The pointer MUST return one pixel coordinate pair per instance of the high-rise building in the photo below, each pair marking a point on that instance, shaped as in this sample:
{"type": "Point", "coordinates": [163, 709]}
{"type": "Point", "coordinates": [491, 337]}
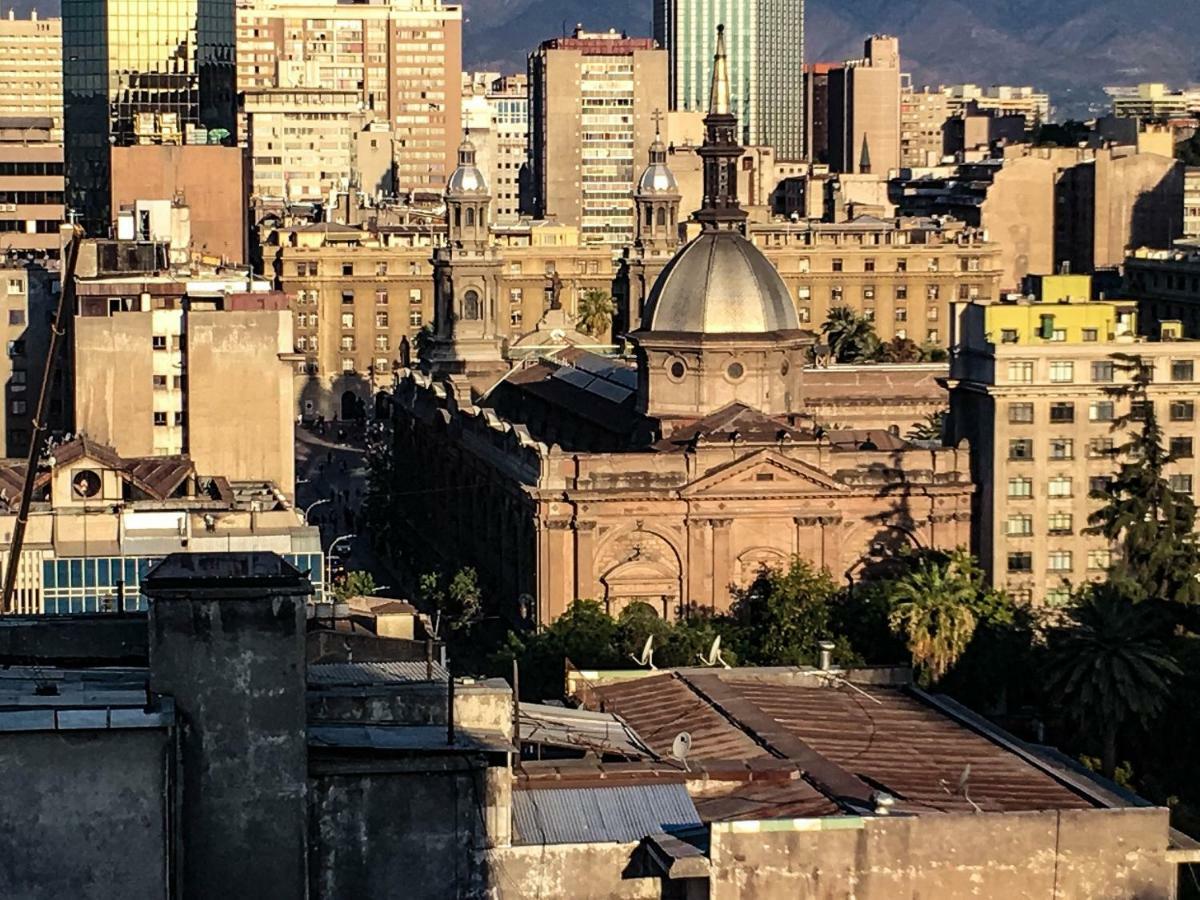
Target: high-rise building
{"type": "Point", "coordinates": [402, 57]}
{"type": "Point", "coordinates": [923, 116]}
{"type": "Point", "coordinates": [31, 186]}
{"type": "Point", "coordinates": [141, 72]}
{"type": "Point", "coordinates": [496, 112]}
{"type": "Point", "coordinates": [31, 72]}
{"type": "Point", "coordinates": [864, 110]}
{"type": "Point", "coordinates": [1153, 101]}
{"type": "Point", "coordinates": [594, 100]}
{"type": "Point", "coordinates": [1001, 99]}
{"type": "Point", "coordinates": [765, 43]}
{"type": "Point", "coordinates": [1037, 390]}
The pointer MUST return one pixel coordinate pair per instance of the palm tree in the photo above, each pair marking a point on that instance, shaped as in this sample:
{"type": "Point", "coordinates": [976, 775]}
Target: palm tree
{"type": "Point", "coordinates": [851, 336]}
{"type": "Point", "coordinates": [930, 429]}
{"type": "Point", "coordinates": [595, 313]}
{"type": "Point", "coordinates": [934, 609]}
{"type": "Point", "coordinates": [1107, 667]}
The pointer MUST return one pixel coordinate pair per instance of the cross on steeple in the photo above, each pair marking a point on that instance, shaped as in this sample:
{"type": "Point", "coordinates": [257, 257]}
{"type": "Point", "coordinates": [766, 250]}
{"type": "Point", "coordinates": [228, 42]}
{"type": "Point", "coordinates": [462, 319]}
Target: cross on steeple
{"type": "Point", "coordinates": [657, 116]}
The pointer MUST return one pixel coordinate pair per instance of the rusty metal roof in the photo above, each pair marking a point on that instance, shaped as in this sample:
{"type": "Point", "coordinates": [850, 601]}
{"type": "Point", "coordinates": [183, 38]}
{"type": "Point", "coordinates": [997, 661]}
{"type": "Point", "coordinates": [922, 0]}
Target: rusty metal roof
{"type": "Point", "coordinates": [792, 799]}
{"type": "Point", "coordinates": [620, 814]}
{"type": "Point", "coordinates": [580, 729]}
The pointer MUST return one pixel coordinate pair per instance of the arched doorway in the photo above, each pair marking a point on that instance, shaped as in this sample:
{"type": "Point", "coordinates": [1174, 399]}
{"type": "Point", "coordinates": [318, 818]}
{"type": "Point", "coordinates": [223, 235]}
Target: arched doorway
{"type": "Point", "coordinates": [352, 406]}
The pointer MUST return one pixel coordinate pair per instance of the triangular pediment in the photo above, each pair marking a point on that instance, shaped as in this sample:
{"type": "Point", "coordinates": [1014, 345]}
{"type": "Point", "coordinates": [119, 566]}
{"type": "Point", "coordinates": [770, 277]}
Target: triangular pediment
{"type": "Point", "coordinates": [764, 472]}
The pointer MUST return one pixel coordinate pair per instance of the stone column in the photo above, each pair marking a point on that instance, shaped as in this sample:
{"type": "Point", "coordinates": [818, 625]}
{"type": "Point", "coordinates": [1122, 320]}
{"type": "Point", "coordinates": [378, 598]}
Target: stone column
{"type": "Point", "coordinates": [560, 575]}
{"type": "Point", "coordinates": [697, 586]}
{"type": "Point", "coordinates": [585, 560]}
{"type": "Point", "coordinates": [720, 562]}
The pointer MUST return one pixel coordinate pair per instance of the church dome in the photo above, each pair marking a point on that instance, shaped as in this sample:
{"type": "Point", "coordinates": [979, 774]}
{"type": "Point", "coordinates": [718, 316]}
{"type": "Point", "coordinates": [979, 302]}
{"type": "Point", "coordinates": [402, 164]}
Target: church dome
{"type": "Point", "coordinates": [720, 283]}
{"type": "Point", "coordinates": [466, 179]}
{"type": "Point", "coordinates": [658, 177]}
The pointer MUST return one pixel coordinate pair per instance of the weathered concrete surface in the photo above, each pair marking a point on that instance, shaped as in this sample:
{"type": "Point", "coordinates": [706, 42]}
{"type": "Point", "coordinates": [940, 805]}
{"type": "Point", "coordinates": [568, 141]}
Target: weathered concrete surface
{"type": "Point", "coordinates": [1096, 854]}
{"type": "Point", "coordinates": [83, 814]}
{"type": "Point", "coordinates": [415, 830]}
{"type": "Point", "coordinates": [100, 639]}
{"type": "Point", "coordinates": [575, 871]}
{"type": "Point", "coordinates": [485, 706]}
{"type": "Point", "coordinates": [227, 642]}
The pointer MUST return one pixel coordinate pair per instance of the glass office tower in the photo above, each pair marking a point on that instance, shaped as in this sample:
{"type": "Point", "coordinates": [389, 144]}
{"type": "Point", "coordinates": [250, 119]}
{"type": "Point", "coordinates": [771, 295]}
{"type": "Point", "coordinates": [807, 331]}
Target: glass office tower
{"type": "Point", "coordinates": [765, 42]}
{"type": "Point", "coordinates": [141, 72]}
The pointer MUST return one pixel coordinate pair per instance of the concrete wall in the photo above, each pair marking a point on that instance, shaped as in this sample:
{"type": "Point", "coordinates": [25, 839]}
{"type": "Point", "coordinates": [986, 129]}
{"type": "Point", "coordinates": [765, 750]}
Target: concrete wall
{"type": "Point", "coordinates": [114, 381]}
{"type": "Point", "coordinates": [83, 814]}
{"type": "Point", "coordinates": [211, 180]}
{"type": "Point", "coordinates": [1077, 853]}
{"type": "Point", "coordinates": [240, 407]}
{"type": "Point", "coordinates": [576, 871]}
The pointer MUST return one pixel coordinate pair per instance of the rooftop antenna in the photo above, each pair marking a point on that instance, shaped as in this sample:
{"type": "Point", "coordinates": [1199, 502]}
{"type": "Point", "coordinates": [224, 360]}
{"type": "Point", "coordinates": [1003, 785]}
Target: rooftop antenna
{"type": "Point", "coordinates": [961, 789]}
{"type": "Point", "coordinates": [681, 747]}
{"type": "Point", "coordinates": [714, 655]}
{"type": "Point", "coordinates": [647, 656]}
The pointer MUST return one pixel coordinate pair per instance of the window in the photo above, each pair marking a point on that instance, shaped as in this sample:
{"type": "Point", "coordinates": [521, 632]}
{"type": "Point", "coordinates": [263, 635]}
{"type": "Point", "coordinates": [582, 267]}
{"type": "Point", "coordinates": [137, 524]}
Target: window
{"type": "Point", "coordinates": [1008, 336]}
{"type": "Point", "coordinates": [1020, 372]}
{"type": "Point", "coordinates": [160, 419]}
{"type": "Point", "coordinates": [347, 342]}
{"type": "Point", "coordinates": [1021, 448]}
{"type": "Point", "coordinates": [178, 419]}
{"type": "Point", "coordinates": [1100, 411]}
{"type": "Point", "coordinates": [381, 342]}
{"type": "Point", "coordinates": [901, 314]}
{"type": "Point", "coordinates": [901, 292]}
{"type": "Point", "coordinates": [1182, 370]}
{"type": "Point", "coordinates": [381, 365]}
{"type": "Point", "coordinates": [160, 382]}
{"type": "Point", "coordinates": [1182, 410]}
{"type": "Point", "coordinates": [1180, 484]}
{"type": "Point", "coordinates": [1058, 334]}
{"type": "Point", "coordinates": [381, 320]}
{"type": "Point", "coordinates": [1019, 526]}
{"type": "Point", "coordinates": [16, 286]}
{"type": "Point", "coordinates": [1022, 596]}
{"type": "Point", "coordinates": [932, 336]}
{"type": "Point", "coordinates": [1062, 412]}
{"type": "Point", "coordinates": [1181, 447]}
{"type": "Point", "coordinates": [1021, 561]}
{"type": "Point", "coordinates": [414, 295]}
{"type": "Point", "coordinates": [515, 317]}
{"type": "Point", "coordinates": [1100, 485]}
{"type": "Point", "coordinates": [381, 296]}
{"type": "Point", "coordinates": [934, 265]}
{"type": "Point", "coordinates": [1099, 448]}
{"type": "Point", "coordinates": [1062, 371]}
{"type": "Point", "coordinates": [17, 382]}
{"type": "Point", "coordinates": [1059, 486]}
{"type": "Point", "coordinates": [803, 314]}
{"type": "Point", "coordinates": [515, 295]}
{"type": "Point", "coordinates": [1090, 335]}
{"type": "Point", "coordinates": [159, 342]}
{"type": "Point", "coordinates": [869, 292]}
{"type": "Point", "coordinates": [381, 268]}
{"type": "Point", "coordinates": [1020, 488]}
{"type": "Point", "coordinates": [16, 348]}
{"type": "Point", "coordinates": [16, 317]}
{"type": "Point", "coordinates": [347, 320]}
{"type": "Point", "coordinates": [1059, 560]}
{"type": "Point", "coordinates": [1139, 410]}
{"type": "Point", "coordinates": [347, 298]}
{"type": "Point", "coordinates": [932, 292]}
{"type": "Point", "coordinates": [1058, 596]}
{"type": "Point", "coordinates": [1059, 523]}
{"type": "Point", "coordinates": [514, 268]}
{"type": "Point", "coordinates": [868, 265]}
{"type": "Point", "coordinates": [347, 268]}
{"type": "Point", "coordinates": [1099, 560]}
{"type": "Point", "coordinates": [347, 365]}
{"type": "Point", "coordinates": [1102, 372]}
{"type": "Point", "coordinates": [1020, 413]}
{"type": "Point", "coordinates": [835, 294]}
{"type": "Point", "coordinates": [837, 265]}
{"type": "Point", "coordinates": [414, 318]}
{"type": "Point", "coordinates": [1062, 448]}
{"type": "Point", "coordinates": [18, 407]}
{"type": "Point", "coordinates": [902, 265]}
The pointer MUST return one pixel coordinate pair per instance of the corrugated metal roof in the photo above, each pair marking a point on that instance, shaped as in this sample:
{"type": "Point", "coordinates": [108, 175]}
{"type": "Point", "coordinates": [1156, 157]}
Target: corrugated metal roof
{"type": "Point", "coordinates": [580, 728]}
{"type": "Point", "coordinates": [367, 674]}
{"type": "Point", "coordinates": [600, 815]}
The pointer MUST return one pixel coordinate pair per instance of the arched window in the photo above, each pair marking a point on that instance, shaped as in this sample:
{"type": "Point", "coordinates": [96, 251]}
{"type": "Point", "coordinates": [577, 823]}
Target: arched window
{"type": "Point", "coordinates": [458, 217]}
{"type": "Point", "coordinates": [471, 305]}
{"type": "Point", "coordinates": [649, 216]}
{"type": "Point", "coordinates": [662, 218]}
{"type": "Point", "coordinates": [470, 217]}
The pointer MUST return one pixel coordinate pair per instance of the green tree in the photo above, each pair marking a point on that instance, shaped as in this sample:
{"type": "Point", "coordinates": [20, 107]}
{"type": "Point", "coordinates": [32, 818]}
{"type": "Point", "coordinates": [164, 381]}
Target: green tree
{"type": "Point", "coordinates": [900, 350]}
{"type": "Point", "coordinates": [783, 615]}
{"type": "Point", "coordinates": [585, 634]}
{"type": "Point", "coordinates": [355, 584]}
{"type": "Point", "coordinates": [1151, 525]}
{"type": "Point", "coordinates": [1107, 668]}
{"type": "Point", "coordinates": [930, 429]}
{"type": "Point", "coordinates": [458, 600]}
{"type": "Point", "coordinates": [935, 608]}
{"type": "Point", "coordinates": [1067, 134]}
{"type": "Point", "coordinates": [595, 313]}
{"type": "Point", "coordinates": [851, 337]}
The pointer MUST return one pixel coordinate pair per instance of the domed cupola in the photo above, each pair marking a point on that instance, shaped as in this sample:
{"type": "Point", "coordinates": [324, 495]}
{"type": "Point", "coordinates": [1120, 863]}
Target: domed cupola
{"type": "Point", "coordinates": [467, 179]}
{"type": "Point", "coordinates": [468, 201]}
{"type": "Point", "coordinates": [657, 203]}
{"type": "Point", "coordinates": [719, 326]}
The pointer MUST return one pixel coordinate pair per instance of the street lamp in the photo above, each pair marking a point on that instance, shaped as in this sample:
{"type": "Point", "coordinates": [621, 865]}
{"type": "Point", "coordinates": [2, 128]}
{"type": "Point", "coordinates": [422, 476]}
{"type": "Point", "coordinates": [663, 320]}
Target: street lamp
{"type": "Point", "coordinates": [313, 506]}
{"type": "Point", "coordinates": [332, 547]}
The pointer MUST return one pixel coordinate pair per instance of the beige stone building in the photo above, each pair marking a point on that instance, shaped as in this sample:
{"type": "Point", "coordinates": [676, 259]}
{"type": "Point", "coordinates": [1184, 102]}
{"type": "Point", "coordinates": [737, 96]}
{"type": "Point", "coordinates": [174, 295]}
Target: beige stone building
{"type": "Point", "coordinates": [923, 116]}
{"type": "Point", "coordinates": [1032, 391]}
{"type": "Point", "coordinates": [31, 186]}
{"type": "Point", "coordinates": [158, 353]}
{"type": "Point", "coordinates": [1002, 99]}
{"type": "Point", "coordinates": [673, 480]}
{"type": "Point", "coordinates": [595, 101]}
{"type": "Point", "coordinates": [864, 110]}
{"type": "Point", "coordinates": [1191, 203]}
{"type": "Point", "coordinates": [403, 58]}
{"type": "Point", "coordinates": [31, 70]}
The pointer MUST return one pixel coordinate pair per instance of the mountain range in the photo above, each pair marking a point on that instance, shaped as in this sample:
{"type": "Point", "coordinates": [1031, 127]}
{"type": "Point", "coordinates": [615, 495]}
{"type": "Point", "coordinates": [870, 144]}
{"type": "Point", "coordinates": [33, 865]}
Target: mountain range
{"type": "Point", "coordinates": [1071, 48]}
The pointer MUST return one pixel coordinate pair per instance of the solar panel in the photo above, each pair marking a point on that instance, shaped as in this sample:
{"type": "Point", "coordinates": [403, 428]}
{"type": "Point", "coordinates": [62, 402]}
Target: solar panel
{"type": "Point", "coordinates": [574, 377]}
{"type": "Point", "coordinates": [624, 376]}
{"type": "Point", "coordinates": [609, 391]}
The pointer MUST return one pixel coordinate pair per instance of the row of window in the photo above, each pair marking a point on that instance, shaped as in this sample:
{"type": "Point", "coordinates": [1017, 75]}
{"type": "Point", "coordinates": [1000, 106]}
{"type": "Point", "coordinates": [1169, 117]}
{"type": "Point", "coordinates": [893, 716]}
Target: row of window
{"type": "Point", "coordinates": [1063, 412]}
{"type": "Point", "coordinates": [933, 293]}
{"type": "Point", "coordinates": [1103, 372]}
{"type": "Point", "coordinates": [1061, 487]}
{"type": "Point", "coordinates": [1060, 561]}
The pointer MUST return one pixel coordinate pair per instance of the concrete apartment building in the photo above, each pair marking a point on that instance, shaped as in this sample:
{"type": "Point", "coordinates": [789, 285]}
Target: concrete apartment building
{"type": "Point", "coordinates": [32, 186]}
{"type": "Point", "coordinates": [923, 116]}
{"type": "Point", "coordinates": [1191, 203]}
{"type": "Point", "coordinates": [1047, 206]}
{"type": "Point", "coordinates": [765, 43]}
{"type": "Point", "coordinates": [301, 141]}
{"type": "Point", "coordinates": [159, 349]}
{"type": "Point", "coordinates": [864, 110]}
{"type": "Point", "coordinates": [496, 110]}
{"type": "Point", "coordinates": [99, 522]}
{"type": "Point", "coordinates": [29, 288]}
{"type": "Point", "coordinates": [403, 58]}
{"type": "Point", "coordinates": [999, 99]}
{"type": "Point", "coordinates": [360, 296]}
{"type": "Point", "coordinates": [595, 101]}
{"type": "Point", "coordinates": [31, 70]}
{"type": "Point", "coordinates": [1154, 101]}
{"type": "Point", "coordinates": [1167, 285]}
{"type": "Point", "coordinates": [1032, 390]}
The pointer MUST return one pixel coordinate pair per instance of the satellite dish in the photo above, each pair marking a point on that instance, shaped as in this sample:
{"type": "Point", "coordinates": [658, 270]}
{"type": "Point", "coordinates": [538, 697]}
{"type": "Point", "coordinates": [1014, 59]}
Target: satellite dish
{"type": "Point", "coordinates": [647, 656]}
{"type": "Point", "coordinates": [714, 654]}
{"type": "Point", "coordinates": [681, 747]}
